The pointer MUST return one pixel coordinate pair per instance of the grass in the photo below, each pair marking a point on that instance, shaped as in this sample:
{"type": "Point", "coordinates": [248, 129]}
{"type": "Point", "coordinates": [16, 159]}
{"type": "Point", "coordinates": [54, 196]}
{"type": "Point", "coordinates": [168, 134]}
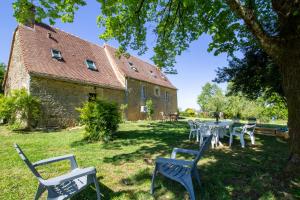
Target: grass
{"type": "Point", "coordinates": [124, 165]}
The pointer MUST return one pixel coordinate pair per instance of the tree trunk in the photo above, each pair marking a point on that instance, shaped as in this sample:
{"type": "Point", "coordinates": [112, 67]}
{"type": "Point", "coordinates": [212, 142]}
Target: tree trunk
{"type": "Point", "coordinates": [290, 69]}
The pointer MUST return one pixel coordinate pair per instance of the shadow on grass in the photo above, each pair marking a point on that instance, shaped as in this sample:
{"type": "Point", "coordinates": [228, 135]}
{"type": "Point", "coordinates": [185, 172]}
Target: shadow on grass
{"type": "Point", "coordinates": [226, 173]}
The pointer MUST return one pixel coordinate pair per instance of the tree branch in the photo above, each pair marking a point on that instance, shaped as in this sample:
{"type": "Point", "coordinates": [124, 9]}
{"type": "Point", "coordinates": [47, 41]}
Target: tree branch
{"type": "Point", "coordinates": [140, 7]}
{"type": "Point", "coordinates": [268, 43]}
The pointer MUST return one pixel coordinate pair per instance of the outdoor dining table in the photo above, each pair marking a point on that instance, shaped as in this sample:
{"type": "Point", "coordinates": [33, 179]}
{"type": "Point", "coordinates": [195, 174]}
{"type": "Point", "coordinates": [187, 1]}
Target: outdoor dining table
{"type": "Point", "coordinates": [218, 129]}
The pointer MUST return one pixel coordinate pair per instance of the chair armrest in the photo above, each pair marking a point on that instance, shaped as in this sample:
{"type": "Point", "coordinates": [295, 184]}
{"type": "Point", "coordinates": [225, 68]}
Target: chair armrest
{"type": "Point", "coordinates": [77, 173]}
{"type": "Point", "coordinates": [187, 151]}
{"type": "Point", "coordinates": [174, 162]}
{"type": "Point", "coordinates": [57, 159]}
{"type": "Point", "coordinates": [237, 129]}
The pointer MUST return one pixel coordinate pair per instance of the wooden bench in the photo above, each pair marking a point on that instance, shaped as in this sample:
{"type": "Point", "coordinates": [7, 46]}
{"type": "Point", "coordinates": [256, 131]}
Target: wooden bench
{"type": "Point", "coordinates": [271, 131]}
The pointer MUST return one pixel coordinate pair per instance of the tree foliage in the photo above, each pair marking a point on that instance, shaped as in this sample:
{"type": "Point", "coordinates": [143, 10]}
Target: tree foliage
{"type": "Point", "coordinates": [20, 109]}
{"type": "Point", "coordinates": [175, 23]}
{"type": "Point", "coordinates": [2, 74]}
{"type": "Point", "coordinates": [254, 75]}
{"type": "Point", "coordinates": [236, 105]}
{"type": "Point", "coordinates": [210, 99]}
{"type": "Point", "coordinates": [25, 10]}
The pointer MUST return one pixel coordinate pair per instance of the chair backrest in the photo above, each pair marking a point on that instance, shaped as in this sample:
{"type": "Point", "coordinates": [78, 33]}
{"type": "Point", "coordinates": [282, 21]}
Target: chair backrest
{"type": "Point", "coordinates": [191, 124]}
{"type": "Point", "coordinates": [27, 162]}
{"type": "Point", "coordinates": [205, 130]}
{"type": "Point", "coordinates": [205, 145]}
{"type": "Point", "coordinates": [249, 128]}
{"type": "Point", "coordinates": [251, 121]}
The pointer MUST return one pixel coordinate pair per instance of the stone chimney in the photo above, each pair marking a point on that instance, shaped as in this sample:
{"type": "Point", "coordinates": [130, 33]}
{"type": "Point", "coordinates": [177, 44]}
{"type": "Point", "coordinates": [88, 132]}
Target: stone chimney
{"type": "Point", "coordinates": [30, 17]}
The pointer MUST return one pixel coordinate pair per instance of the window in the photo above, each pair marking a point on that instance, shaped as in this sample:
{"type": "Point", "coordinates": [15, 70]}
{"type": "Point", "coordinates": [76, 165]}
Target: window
{"type": "Point", "coordinates": [157, 91]}
{"type": "Point", "coordinates": [91, 65]}
{"type": "Point", "coordinates": [143, 92]}
{"type": "Point", "coordinates": [167, 96]}
{"type": "Point", "coordinates": [92, 96]}
{"type": "Point", "coordinates": [56, 54]}
{"type": "Point", "coordinates": [164, 77]}
{"type": "Point", "coordinates": [133, 67]}
{"type": "Point", "coordinates": [153, 74]}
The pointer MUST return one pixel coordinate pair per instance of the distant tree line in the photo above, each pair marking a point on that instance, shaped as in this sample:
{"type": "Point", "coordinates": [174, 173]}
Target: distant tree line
{"type": "Point", "coordinates": [231, 104]}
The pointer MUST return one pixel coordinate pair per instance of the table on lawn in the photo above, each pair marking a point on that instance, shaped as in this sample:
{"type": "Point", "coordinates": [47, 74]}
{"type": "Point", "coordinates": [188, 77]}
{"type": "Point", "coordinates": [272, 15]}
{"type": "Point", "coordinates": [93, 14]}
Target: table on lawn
{"type": "Point", "coordinates": [218, 129]}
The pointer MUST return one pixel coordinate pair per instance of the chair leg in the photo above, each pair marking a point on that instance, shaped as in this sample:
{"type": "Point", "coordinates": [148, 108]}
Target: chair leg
{"type": "Point", "coordinates": [252, 139]}
{"type": "Point", "coordinates": [197, 175]}
{"type": "Point", "coordinates": [97, 188]}
{"type": "Point", "coordinates": [190, 135]}
{"type": "Point", "coordinates": [39, 192]}
{"type": "Point", "coordinates": [153, 179]}
{"type": "Point", "coordinates": [242, 140]}
{"type": "Point", "coordinates": [230, 139]}
{"type": "Point", "coordinates": [190, 188]}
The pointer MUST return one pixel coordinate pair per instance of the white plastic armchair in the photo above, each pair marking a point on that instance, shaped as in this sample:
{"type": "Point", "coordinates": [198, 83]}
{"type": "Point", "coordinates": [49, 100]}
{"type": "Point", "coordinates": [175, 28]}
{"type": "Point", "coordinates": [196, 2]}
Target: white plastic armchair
{"type": "Point", "coordinates": [193, 129]}
{"type": "Point", "coordinates": [182, 171]}
{"type": "Point", "coordinates": [241, 131]}
{"type": "Point", "coordinates": [64, 186]}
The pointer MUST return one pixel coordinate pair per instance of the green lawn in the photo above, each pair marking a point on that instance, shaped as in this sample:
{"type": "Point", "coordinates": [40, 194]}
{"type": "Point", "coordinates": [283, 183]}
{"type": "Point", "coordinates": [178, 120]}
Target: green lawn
{"type": "Point", "coordinates": [124, 165]}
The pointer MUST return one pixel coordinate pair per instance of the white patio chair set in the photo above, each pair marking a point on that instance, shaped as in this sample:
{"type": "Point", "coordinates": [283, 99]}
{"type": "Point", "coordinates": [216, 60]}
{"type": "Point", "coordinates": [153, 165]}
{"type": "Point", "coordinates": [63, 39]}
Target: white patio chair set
{"type": "Point", "coordinates": [67, 185]}
{"type": "Point", "coordinates": [200, 130]}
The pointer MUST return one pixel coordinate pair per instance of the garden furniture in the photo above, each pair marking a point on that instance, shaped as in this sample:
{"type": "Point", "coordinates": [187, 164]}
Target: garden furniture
{"type": "Point", "coordinates": [182, 171]}
{"type": "Point", "coordinates": [163, 116]}
{"type": "Point", "coordinates": [216, 129]}
{"type": "Point", "coordinates": [193, 129]}
{"type": "Point", "coordinates": [241, 131]}
{"type": "Point", "coordinates": [64, 186]}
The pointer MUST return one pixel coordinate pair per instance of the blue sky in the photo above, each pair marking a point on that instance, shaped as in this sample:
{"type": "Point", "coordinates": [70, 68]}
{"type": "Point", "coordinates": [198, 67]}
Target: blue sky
{"type": "Point", "coordinates": [195, 66]}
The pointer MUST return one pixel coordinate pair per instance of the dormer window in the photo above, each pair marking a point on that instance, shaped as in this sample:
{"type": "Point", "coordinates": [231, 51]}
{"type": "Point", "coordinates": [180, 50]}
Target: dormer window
{"type": "Point", "coordinates": [152, 74]}
{"type": "Point", "coordinates": [56, 54]}
{"type": "Point", "coordinates": [133, 67]}
{"type": "Point", "coordinates": [91, 65]}
{"type": "Point", "coordinates": [164, 77]}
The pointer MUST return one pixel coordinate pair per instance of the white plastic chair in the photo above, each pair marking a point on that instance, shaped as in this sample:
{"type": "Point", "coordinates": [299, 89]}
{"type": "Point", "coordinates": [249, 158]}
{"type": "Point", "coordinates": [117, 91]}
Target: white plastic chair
{"type": "Point", "coordinates": [64, 186]}
{"type": "Point", "coordinates": [193, 129]}
{"type": "Point", "coordinates": [240, 132]}
{"type": "Point", "coordinates": [205, 131]}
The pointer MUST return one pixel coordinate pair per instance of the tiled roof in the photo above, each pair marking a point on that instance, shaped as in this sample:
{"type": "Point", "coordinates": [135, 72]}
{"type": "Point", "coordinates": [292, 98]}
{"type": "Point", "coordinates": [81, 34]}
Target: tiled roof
{"type": "Point", "coordinates": [36, 48]}
{"type": "Point", "coordinates": [37, 43]}
{"type": "Point", "coordinates": [136, 68]}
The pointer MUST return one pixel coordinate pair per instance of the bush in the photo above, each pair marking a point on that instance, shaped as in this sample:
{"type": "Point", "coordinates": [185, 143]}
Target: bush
{"type": "Point", "coordinates": [20, 109]}
{"type": "Point", "coordinates": [190, 112]}
{"type": "Point", "coordinates": [150, 110]}
{"type": "Point", "coordinates": [101, 119]}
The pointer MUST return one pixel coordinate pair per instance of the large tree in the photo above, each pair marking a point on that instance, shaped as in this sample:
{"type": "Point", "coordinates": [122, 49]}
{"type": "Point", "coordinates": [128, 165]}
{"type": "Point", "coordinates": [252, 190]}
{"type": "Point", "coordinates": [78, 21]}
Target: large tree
{"type": "Point", "coordinates": [209, 91]}
{"type": "Point", "coordinates": [274, 25]}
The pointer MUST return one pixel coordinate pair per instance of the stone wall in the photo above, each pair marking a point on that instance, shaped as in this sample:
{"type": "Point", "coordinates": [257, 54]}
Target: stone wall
{"type": "Point", "coordinates": [17, 76]}
{"type": "Point", "coordinates": [60, 99]}
{"type": "Point", "coordinates": [160, 103]}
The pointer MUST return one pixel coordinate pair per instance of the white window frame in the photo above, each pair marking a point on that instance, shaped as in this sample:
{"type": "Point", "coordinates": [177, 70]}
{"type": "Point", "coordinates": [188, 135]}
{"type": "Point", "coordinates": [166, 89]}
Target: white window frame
{"type": "Point", "coordinates": [143, 92]}
{"type": "Point", "coordinates": [56, 54]}
{"type": "Point", "coordinates": [167, 96]}
{"type": "Point", "coordinates": [94, 68]}
{"type": "Point", "coordinates": [156, 88]}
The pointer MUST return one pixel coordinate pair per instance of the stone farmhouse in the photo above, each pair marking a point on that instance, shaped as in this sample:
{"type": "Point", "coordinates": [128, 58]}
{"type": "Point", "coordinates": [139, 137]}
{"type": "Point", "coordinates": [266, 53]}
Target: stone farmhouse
{"type": "Point", "coordinates": [65, 71]}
